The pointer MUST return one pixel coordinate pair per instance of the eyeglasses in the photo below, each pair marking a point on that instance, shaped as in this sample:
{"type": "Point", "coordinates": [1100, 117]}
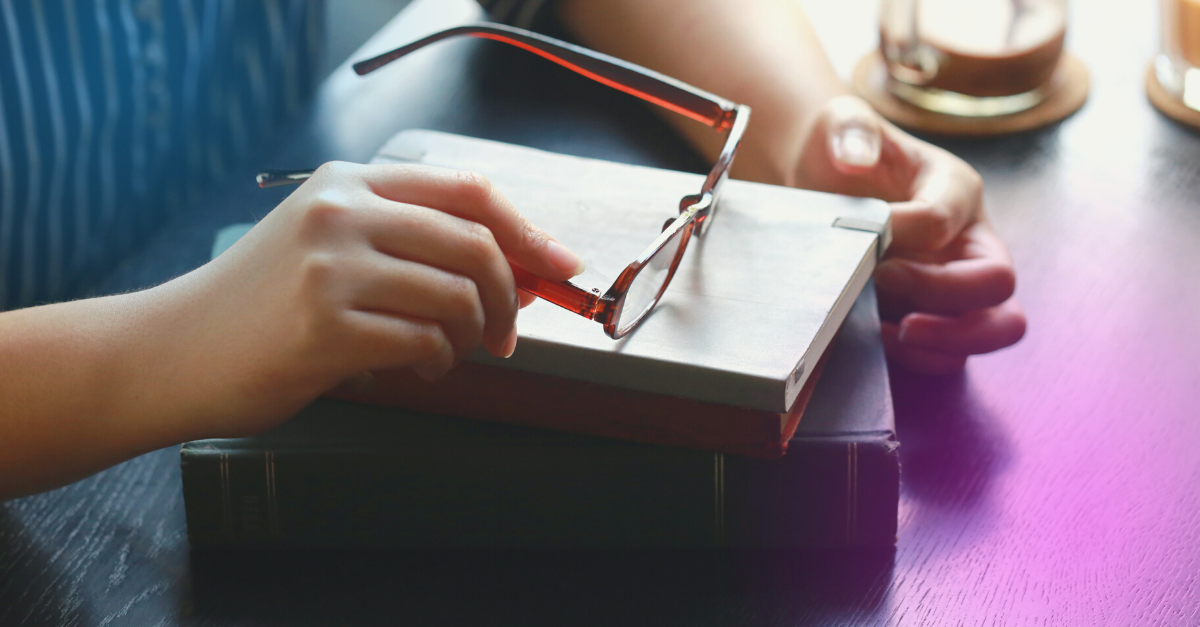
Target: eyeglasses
{"type": "Point", "coordinates": [642, 283]}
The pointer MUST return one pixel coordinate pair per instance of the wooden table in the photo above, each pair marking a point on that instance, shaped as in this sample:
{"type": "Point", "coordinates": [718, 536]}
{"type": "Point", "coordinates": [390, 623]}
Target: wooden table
{"type": "Point", "coordinates": [1052, 483]}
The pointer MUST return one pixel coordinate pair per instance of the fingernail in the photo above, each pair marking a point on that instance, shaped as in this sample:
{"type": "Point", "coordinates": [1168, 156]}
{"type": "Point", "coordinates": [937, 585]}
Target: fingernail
{"type": "Point", "coordinates": [857, 146]}
{"type": "Point", "coordinates": [924, 330]}
{"type": "Point", "coordinates": [892, 277]}
{"type": "Point", "coordinates": [564, 259]}
{"type": "Point", "coordinates": [510, 345]}
{"type": "Point", "coordinates": [917, 331]}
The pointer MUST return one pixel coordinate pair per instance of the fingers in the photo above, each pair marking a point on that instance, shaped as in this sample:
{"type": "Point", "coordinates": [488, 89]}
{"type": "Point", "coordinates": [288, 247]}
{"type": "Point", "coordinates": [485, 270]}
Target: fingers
{"type": "Point", "coordinates": [510, 345]}
{"type": "Point", "coordinates": [955, 287]}
{"type": "Point", "coordinates": [934, 193]}
{"type": "Point", "coordinates": [974, 272]}
{"type": "Point", "coordinates": [855, 134]}
{"type": "Point", "coordinates": [940, 344]}
{"type": "Point", "coordinates": [460, 247]}
{"type": "Point", "coordinates": [948, 279]}
{"type": "Point", "coordinates": [947, 196]}
{"type": "Point", "coordinates": [951, 303]}
{"type": "Point", "coordinates": [405, 288]}
{"type": "Point", "coordinates": [389, 341]}
{"type": "Point", "coordinates": [454, 224]}
{"type": "Point", "coordinates": [975, 333]}
{"type": "Point", "coordinates": [471, 197]}
{"type": "Point", "coordinates": [919, 359]}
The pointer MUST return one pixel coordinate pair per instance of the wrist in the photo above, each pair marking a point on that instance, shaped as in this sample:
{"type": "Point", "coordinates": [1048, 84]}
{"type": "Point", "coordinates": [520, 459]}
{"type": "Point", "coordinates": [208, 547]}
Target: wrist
{"type": "Point", "coordinates": [230, 365]}
{"type": "Point", "coordinates": [157, 386]}
{"type": "Point", "coordinates": [175, 367]}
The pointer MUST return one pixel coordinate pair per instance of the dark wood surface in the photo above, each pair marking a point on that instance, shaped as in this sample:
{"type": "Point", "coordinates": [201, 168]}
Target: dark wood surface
{"type": "Point", "coordinates": [1052, 483]}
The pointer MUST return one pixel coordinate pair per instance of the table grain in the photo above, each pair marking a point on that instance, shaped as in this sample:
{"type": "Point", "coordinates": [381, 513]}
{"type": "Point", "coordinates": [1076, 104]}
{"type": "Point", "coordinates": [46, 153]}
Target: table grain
{"type": "Point", "coordinates": [1052, 483]}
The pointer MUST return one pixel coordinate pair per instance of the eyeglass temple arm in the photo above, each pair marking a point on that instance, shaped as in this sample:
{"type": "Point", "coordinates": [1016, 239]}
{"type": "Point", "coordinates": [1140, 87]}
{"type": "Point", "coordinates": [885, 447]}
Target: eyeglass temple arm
{"type": "Point", "coordinates": [279, 178]}
{"type": "Point", "coordinates": [564, 294]}
{"type": "Point", "coordinates": [632, 79]}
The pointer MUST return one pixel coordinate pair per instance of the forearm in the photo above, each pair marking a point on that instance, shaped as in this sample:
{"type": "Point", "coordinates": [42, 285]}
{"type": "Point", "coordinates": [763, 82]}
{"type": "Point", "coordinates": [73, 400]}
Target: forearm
{"type": "Point", "coordinates": [362, 268]}
{"type": "Point", "coordinates": [763, 53]}
{"type": "Point", "coordinates": [87, 384]}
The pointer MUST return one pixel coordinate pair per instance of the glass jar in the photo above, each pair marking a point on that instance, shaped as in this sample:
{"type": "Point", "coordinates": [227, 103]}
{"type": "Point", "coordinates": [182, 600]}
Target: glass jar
{"type": "Point", "coordinates": [1177, 66]}
{"type": "Point", "coordinates": [975, 58]}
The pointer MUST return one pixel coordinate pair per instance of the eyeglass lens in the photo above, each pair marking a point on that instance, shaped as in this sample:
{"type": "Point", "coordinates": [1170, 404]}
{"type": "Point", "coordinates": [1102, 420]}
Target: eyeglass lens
{"type": "Point", "coordinates": [646, 287]}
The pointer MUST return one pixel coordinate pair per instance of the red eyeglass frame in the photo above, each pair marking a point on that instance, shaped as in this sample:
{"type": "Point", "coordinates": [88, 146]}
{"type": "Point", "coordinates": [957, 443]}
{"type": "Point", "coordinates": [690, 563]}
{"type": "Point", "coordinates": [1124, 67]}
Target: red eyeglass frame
{"type": "Point", "coordinates": [664, 91]}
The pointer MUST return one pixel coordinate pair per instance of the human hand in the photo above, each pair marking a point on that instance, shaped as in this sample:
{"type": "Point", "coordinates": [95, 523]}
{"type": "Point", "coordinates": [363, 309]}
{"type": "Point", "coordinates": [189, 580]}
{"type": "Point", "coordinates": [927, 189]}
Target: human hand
{"type": "Point", "coordinates": [946, 285]}
{"type": "Point", "coordinates": [362, 268]}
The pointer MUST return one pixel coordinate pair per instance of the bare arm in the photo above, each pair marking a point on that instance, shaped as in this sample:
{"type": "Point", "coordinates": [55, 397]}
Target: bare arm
{"type": "Point", "coordinates": [760, 52]}
{"type": "Point", "coordinates": [82, 386]}
{"type": "Point", "coordinates": [946, 288]}
{"type": "Point", "coordinates": [362, 268]}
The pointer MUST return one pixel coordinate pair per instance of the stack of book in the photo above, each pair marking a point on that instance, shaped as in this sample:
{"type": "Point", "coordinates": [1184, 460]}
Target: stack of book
{"type": "Point", "coordinates": [731, 417]}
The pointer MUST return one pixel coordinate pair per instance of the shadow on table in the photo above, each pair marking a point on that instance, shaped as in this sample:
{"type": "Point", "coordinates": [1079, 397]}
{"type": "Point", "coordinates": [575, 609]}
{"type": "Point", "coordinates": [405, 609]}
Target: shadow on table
{"type": "Point", "coordinates": [540, 587]}
{"type": "Point", "coordinates": [952, 447]}
{"type": "Point", "coordinates": [1026, 152]}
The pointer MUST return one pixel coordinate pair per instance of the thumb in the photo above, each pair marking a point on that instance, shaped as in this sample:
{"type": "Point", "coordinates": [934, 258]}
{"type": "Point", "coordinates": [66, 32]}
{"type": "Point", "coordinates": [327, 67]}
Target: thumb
{"type": "Point", "coordinates": [855, 136]}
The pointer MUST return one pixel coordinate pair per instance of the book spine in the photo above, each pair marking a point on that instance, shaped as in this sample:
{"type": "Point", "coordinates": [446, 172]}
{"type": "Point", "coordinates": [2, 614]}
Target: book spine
{"type": "Point", "coordinates": [826, 492]}
{"type": "Point", "coordinates": [591, 494]}
{"type": "Point", "coordinates": [230, 496]}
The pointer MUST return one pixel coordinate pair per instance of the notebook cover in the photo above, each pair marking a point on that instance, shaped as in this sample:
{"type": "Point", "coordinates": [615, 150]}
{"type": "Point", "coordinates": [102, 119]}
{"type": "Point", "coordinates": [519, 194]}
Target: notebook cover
{"type": "Point", "coordinates": [752, 307]}
{"type": "Point", "coordinates": [719, 364]}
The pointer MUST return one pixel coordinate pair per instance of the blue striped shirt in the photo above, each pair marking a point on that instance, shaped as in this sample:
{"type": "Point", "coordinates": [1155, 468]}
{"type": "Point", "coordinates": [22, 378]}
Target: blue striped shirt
{"type": "Point", "coordinates": [115, 114]}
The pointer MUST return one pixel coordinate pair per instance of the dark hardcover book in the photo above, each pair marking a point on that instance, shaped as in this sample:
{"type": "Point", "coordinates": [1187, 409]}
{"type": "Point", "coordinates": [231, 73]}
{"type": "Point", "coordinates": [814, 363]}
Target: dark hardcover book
{"type": "Point", "coordinates": [347, 475]}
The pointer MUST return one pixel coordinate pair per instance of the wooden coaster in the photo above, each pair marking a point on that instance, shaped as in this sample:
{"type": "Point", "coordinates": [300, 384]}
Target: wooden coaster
{"type": "Point", "coordinates": [1069, 86]}
{"type": "Point", "coordinates": [1169, 105]}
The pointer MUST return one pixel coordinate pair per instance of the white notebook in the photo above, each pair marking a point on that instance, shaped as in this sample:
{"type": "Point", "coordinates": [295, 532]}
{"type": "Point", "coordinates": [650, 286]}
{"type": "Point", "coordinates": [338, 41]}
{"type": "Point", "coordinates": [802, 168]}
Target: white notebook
{"type": "Point", "coordinates": [752, 308]}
